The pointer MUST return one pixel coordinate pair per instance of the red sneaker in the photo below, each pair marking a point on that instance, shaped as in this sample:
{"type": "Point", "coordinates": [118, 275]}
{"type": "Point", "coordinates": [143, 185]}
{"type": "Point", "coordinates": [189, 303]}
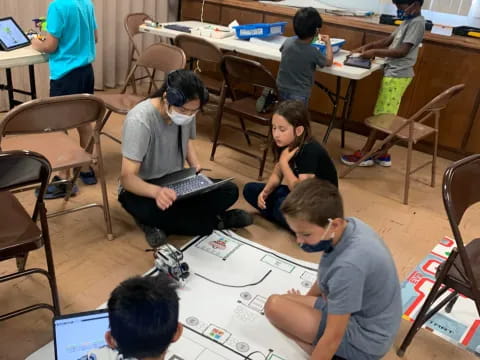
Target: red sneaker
{"type": "Point", "coordinates": [354, 158]}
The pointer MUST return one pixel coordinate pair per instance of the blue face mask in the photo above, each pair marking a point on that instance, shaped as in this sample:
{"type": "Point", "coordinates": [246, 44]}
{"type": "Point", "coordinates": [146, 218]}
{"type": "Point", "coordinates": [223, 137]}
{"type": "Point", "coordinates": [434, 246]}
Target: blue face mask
{"type": "Point", "coordinates": [322, 245]}
{"type": "Point", "coordinates": [403, 16]}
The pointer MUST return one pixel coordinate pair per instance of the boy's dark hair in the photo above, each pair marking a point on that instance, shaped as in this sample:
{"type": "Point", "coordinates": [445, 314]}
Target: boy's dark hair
{"type": "Point", "coordinates": [314, 200]}
{"type": "Point", "coordinates": [297, 114]}
{"type": "Point", "coordinates": [143, 313]}
{"type": "Point", "coordinates": [306, 22]}
{"type": "Point", "coordinates": [188, 83]}
{"type": "Point", "coordinates": [407, 2]}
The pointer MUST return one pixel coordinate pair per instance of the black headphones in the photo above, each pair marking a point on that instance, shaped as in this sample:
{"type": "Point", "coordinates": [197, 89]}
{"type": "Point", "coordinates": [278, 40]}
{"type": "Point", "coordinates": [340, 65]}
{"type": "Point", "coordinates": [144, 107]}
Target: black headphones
{"type": "Point", "coordinates": [175, 96]}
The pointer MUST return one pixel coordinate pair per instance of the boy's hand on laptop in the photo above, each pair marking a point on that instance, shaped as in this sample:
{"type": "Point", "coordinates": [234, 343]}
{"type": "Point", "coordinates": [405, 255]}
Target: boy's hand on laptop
{"type": "Point", "coordinates": [368, 54]}
{"type": "Point", "coordinates": [165, 197]}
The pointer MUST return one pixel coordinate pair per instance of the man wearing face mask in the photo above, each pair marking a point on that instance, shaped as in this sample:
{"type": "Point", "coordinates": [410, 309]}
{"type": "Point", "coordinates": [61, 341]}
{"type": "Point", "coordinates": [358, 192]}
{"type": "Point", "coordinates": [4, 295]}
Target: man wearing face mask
{"type": "Point", "coordinates": [157, 139]}
{"type": "Point", "coordinates": [354, 309]}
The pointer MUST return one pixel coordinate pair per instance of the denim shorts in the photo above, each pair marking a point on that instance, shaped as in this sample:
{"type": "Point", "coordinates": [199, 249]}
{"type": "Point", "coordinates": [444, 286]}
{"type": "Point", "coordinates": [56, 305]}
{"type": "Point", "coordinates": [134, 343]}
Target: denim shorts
{"type": "Point", "coordinates": [345, 349]}
{"type": "Point", "coordinates": [286, 95]}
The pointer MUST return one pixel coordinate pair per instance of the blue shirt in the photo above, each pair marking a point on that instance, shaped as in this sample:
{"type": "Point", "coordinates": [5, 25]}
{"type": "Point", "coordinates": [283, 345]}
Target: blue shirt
{"type": "Point", "coordinates": [73, 23]}
{"type": "Point", "coordinates": [359, 278]}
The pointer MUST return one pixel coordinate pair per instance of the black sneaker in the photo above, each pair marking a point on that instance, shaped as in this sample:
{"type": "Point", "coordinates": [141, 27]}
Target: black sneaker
{"type": "Point", "coordinates": [265, 101]}
{"type": "Point", "coordinates": [235, 218]}
{"type": "Point", "coordinates": [155, 237]}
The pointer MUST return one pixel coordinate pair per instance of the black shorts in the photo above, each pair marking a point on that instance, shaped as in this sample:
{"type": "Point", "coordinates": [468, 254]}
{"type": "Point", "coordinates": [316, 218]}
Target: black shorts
{"type": "Point", "coordinates": [77, 81]}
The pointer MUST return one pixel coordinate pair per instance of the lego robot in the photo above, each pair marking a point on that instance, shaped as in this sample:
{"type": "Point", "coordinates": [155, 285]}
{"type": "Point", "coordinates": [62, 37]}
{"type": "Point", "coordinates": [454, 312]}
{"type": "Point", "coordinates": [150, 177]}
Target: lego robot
{"type": "Point", "coordinates": [169, 260]}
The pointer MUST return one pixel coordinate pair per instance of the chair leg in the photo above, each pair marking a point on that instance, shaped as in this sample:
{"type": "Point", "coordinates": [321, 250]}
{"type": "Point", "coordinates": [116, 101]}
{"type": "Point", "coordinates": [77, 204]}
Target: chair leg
{"type": "Point", "coordinates": [434, 160]}
{"type": "Point", "coordinates": [245, 133]}
{"type": "Point", "coordinates": [265, 153]}
{"type": "Point", "coordinates": [451, 304]}
{"type": "Point", "coordinates": [151, 81]}
{"type": "Point", "coordinates": [432, 296]}
{"type": "Point", "coordinates": [49, 256]}
{"type": "Point", "coordinates": [218, 123]}
{"type": "Point", "coordinates": [21, 261]}
{"type": "Point", "coordinates": [407, 173]}
{"type": "Point", "coordinates": [103, 184]}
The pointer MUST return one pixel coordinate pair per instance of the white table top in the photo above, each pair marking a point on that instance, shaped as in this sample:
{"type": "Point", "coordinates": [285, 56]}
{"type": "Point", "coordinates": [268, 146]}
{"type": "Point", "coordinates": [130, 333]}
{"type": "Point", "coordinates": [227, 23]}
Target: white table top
{"type": "Point", "coordinates": [266, 52]}
{"type": "Point", "coordinates": [21, 57]}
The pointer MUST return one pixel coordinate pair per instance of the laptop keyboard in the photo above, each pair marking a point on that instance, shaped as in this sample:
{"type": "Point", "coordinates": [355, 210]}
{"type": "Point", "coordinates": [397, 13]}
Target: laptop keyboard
{"type": "Point", "coordinates": [190, 185]}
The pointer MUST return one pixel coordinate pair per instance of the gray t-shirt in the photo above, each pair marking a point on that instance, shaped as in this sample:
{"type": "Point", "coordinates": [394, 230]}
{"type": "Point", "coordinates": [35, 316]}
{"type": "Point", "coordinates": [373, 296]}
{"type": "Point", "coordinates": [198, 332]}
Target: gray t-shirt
{"type": "Point", "coordinates": [147, 138]}
{"type": "Point", "coordinates": [297, 66]}
{"type": "Point", "coordinates": [359, 277]}
{"type": "Point", "coordinates": [410, 31]}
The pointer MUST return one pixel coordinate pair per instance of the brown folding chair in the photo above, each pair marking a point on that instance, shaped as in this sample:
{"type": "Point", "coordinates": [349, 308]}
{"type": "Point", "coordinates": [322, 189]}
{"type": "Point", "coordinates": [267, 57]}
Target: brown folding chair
{"type": "Point", "coordinates": [132, 23]}
{"type": "Point", "coordinates": [410, 130]}
{"type": "Point", "coordinates": [460, 273]}
{"type": "Point", "coordinates": [41, 125]}
{"type": "Point", "coordinates": [161, 57]}
{"type": "Point", "coordinates": [19, 233]}
{"type": "Point", "coordinates": [239, 74]}
{"type": "Point", "coordinates": [197, 48]}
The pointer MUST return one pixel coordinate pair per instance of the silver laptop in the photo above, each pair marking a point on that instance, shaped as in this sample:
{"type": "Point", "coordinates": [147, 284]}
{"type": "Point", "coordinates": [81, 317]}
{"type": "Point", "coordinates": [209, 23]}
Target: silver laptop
{"type": "Point", "coordinates": [188, 182]}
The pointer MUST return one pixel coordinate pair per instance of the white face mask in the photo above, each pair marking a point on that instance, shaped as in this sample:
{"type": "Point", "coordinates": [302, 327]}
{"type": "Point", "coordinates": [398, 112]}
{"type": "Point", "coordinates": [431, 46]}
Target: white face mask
{"type": "Point", "coordinates": [179, 119]}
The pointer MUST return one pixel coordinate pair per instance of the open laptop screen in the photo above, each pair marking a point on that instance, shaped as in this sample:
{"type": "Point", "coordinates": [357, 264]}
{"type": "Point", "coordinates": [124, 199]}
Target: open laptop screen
{"type": "Point", "coordinates": [77, 334]}
{"type": "Point", "coordinates": [11, 35]}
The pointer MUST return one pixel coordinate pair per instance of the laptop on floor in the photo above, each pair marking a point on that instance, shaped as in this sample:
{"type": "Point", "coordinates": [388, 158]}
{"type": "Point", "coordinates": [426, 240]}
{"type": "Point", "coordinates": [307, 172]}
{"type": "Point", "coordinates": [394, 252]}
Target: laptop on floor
{"type": "Point", "coordinates": [187, 183]}
{"type": "Point", "coordinates": [75, 335]}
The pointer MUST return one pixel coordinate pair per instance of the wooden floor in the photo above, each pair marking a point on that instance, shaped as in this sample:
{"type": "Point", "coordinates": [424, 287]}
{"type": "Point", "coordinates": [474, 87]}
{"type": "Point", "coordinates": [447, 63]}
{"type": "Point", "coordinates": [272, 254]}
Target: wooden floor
{"type": "Point", "coordinates": [88, 266]}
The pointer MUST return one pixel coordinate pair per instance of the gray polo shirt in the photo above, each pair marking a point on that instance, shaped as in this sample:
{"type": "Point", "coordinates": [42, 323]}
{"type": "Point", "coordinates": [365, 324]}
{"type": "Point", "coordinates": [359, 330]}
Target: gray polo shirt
{"type": "Point", "coordinates": [410, 31]}
{"type": "Point", "coordinates": [297, 66]}
{"type": "Point", "coordinates": [147, 138]}
{"type": "Point", "coordinates": [359, 278]}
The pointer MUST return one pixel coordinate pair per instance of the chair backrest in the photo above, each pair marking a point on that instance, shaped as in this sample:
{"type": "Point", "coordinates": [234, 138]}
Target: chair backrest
{"type": "Point", "coordinates": [132, 23]}
{"type": "Point", "coordinates": [239, 71]}
{"type": "Point", "coordinates": [162, 57]}
{"type": "Point", "coordinates": [460, 187]}
{"type": "Point", "coordinates": [53, 114]}
{"type": "Point", "coordinates": [158, 57]}
{"type": "Point", "coordinates": [460, 191]}
{"type": "Point", "coordinates": [439, 102]}
{"type": "Point", "coordinates": [20, 168]}
{"type": "Point", "coordinates": [199, 48]}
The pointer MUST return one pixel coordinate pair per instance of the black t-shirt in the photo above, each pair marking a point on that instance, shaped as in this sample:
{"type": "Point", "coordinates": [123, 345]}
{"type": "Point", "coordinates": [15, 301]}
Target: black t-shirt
{"type": "Point", "coordinates": [312, 158]}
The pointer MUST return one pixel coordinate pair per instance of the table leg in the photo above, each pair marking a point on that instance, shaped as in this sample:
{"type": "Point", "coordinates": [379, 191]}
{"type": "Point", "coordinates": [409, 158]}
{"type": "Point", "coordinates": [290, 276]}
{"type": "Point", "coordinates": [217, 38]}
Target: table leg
{"type": "Point", "coordinates": [334, 99]}
{"type": "Point", "coordinates": [11, 102]}
{"type": "Point", "coordinates": [33, 87]}
{"type": "Point", "coordinates": [347, 108]}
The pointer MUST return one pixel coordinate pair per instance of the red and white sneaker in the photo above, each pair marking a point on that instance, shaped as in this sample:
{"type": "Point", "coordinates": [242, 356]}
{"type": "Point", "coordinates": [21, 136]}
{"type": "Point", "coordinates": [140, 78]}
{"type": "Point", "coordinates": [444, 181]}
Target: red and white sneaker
{"type": "Point", "coordinates": [354, 158]}
{"type": "Point", "coordinates": [384, 160]}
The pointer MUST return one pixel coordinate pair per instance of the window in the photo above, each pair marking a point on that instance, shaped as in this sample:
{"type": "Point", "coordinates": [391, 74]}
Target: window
{"type": "Point", "coordinates": [459, 7]}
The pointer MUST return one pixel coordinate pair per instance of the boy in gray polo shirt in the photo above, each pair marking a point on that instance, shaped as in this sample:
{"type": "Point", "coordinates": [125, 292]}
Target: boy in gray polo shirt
{"type": "Point", "coordinates": [400, 50]}
{"type": "Point", "coordinates": [353, 312]}
{"type": "Point", "coordinates": [300, 59]}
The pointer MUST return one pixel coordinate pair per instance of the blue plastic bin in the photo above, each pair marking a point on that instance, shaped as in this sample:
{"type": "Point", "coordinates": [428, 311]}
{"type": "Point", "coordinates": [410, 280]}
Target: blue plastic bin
{"type": "Point", "coordinates": [259, 30]}
{"type": "Point", "coordinates": [336, 45]}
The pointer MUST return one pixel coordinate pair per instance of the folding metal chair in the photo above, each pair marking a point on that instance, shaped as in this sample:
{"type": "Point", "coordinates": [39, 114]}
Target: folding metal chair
{"type": "Point", "coordinates": [240, 73]}
{"type": "Point", "coordinates": [41, 125]}
{"type": "Point", "coordinates": [411, 131]}
{"type": "Point", "coordinates": [460, 273]}
{"type": "Point", "coordinates": [160, 57]}
{"type": "Point", "coordinates": [19, 233]}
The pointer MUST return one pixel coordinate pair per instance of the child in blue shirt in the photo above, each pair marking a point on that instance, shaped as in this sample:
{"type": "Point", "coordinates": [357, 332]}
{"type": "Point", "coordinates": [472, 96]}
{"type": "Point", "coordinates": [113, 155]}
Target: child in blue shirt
{"type": "Point", "coordinates": [70, 43]}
